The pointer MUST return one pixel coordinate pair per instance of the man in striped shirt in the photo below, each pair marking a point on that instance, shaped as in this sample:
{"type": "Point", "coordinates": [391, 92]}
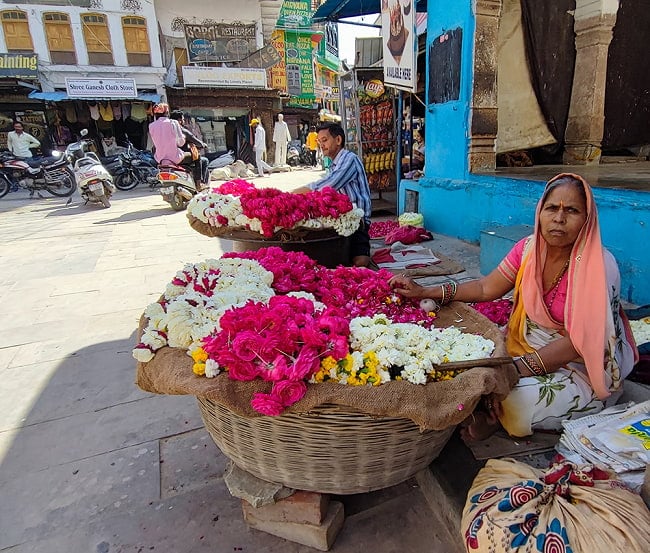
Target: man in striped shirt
{"type": "Point", "coordinates": [347, 175]}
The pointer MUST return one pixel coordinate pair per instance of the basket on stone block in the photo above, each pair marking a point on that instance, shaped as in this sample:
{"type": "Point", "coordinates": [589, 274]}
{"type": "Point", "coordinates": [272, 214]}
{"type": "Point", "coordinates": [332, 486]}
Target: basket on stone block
{"type": "Point", "coordinates": [332, 449]}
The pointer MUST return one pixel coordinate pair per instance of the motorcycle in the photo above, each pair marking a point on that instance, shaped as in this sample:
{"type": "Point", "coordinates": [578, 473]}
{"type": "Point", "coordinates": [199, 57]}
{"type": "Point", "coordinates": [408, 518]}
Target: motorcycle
{"type": "Point", "coordinates": [137, 166]}
{"type": "Point", "coordinates": [177, 186]}
{"type": "Point", "coordinates": [94, 181]}
{"type": "Point", "coordinates": [52, 174]}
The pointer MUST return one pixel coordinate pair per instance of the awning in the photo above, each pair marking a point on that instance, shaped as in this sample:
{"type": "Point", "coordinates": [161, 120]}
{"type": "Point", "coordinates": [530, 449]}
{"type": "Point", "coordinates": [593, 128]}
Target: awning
{"type": "Point", "coordinates": [333, 10]}
{"type": "Point", "coordinates": [61, 96]}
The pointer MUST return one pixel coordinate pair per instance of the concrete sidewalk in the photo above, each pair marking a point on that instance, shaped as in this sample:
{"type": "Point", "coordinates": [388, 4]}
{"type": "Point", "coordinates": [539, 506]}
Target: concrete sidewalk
{"type": "Point", "coordinates": [88, 461]}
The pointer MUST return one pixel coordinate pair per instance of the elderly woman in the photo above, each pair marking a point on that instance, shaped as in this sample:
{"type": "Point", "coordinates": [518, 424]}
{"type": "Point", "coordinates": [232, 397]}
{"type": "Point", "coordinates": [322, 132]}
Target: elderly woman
{"type": "Point", "coordinates": [569, 336]}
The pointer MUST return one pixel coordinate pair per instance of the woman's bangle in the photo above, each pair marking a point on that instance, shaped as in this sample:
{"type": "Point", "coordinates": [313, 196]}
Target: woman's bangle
{"type": "Point", "coordinates": [541, 362]}
{"type": "Point", "coordinates": [532, 364]}
{"type": "Point", "coordinates": [449, 290]}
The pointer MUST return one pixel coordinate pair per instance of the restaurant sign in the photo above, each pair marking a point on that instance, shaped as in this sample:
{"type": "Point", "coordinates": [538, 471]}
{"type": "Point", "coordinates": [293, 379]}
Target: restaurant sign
{"type": "Point", "coordinates": [220, 41]}
{"type": "Point", "coordinates": [241, 77]}
{"type": "Point", "coordinates": [101, 88]}
{"type": "Point", "coordinates": [19, 66]}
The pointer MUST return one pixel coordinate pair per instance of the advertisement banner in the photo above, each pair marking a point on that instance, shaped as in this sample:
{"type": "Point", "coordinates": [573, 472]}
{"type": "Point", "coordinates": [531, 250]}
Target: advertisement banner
{"type": "Point", "coordinates": [240, 77]}
{"type": "Point", "coordinates": [101, 88]}
{"type": "Point", "coordinates": [399, 39]}
{"type": "Point", "coordinates": [295, 14]}
{"type": "Point", "coordinates": [220, 41]}
{"type": "Point", "coordinates": [299, 65]}
{"type": "Point", "coordinates": [267, 56]}
{"type": "Point", "coordinates": [19, 66]}
{"type": "Point", "coordinates": [279, 71]}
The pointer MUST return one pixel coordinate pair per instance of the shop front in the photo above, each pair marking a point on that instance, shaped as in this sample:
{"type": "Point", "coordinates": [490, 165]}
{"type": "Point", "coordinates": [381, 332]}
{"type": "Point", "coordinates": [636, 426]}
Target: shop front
{"type": "Point", "coordinates": [111, 109]}
{"type": "Point", "coordinates": [221, 116]}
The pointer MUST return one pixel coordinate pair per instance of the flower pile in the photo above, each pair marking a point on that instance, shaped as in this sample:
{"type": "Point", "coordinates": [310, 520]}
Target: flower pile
{"type": "Point", "coordinates": [238, 204]}
{"type": "Point", "coordinates": [497, 311]}
{"type": "Point", "coordinates": [380, 229]}
{"type": "Point", "coordinates": [280, 317]}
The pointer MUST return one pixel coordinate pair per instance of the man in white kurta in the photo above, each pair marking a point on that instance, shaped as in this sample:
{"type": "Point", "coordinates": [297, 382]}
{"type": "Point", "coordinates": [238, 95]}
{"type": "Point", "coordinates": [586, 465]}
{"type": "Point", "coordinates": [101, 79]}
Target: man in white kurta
{"type": "Point", "coordinates": [259, 146]}
{"type": "Point", "coordinates": [281, 137]}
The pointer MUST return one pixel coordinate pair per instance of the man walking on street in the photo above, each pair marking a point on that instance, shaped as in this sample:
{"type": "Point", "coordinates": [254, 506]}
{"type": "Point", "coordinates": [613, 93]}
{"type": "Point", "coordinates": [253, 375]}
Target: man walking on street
{"type": "Point", "coordinates": [259, 147]}
{"type": "Point", "coordinates": [19, 142]}
{"type": "Point", "coordinates": [312, 145]}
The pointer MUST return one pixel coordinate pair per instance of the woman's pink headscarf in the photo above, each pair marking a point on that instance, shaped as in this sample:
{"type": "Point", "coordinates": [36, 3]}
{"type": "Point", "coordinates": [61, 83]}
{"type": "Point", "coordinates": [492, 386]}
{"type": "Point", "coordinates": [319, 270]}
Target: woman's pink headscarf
{"type": "Point", "coordinates": [587, 314]}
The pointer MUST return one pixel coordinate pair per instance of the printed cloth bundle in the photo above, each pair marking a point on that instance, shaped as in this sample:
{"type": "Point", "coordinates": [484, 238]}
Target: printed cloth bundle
{"type": "Point", "coordinates": [408, 234]}
{"type": "Point", "coordinates": [404, 256]}
{"type": "Point", "coordinates": [512, 506]}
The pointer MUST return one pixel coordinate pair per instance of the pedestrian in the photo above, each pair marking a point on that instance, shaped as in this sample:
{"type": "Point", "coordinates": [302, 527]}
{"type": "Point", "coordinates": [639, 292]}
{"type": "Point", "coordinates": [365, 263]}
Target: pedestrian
{"type": "Point", "coordinates": [259, 146]}
{"type": "Point", "coordinates": [19, 142]}
{"type": "Point", "coordinates": [571, 339]}
{"type": "Point", "coordinates": [312, 145]}
{"type": "Point", "coordinates": [348, 176]}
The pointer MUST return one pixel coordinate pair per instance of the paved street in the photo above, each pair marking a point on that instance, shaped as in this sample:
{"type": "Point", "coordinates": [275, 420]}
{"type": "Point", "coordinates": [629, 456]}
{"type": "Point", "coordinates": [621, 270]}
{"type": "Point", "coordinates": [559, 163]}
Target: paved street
{"type": "Point", "coordinates": [88, 461]}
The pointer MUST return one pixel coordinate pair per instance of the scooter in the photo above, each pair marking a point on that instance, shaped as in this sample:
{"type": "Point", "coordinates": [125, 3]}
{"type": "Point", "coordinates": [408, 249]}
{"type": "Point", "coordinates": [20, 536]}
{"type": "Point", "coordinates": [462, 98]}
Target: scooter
{"type": "Point", "coordinates": [52, 174]}
{"type": "Point", "coordinates": [177, 186]}
{"type": "Point", "coordinates": [94, 181]}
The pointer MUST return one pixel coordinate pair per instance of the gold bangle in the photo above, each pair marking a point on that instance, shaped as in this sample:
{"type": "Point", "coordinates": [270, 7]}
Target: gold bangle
{"type": "Point", "coordinates": [539, 358]}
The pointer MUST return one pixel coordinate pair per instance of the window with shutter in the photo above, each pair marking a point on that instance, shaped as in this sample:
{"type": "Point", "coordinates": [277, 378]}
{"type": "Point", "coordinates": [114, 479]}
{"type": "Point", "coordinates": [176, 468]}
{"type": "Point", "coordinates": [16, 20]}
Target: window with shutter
{"type": "Point", "coordinates": [59, 38]}
{"type": "Point", "coordinates": [180, 55]}
{"type": "Point", "coordinates": [136, 40]}
{"type": "Point", "coordinates": [98, 39]}
{"type": "Point", "coordinates": [16, 30]}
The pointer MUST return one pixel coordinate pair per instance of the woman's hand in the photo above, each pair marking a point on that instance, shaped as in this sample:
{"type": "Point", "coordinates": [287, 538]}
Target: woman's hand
{"type": "Point", "coordinates": [407, 287]}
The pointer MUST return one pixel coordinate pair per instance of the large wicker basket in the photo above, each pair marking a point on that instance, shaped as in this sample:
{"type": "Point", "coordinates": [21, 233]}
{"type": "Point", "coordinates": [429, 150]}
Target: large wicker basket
{"type": "Point", "coordinates": [330, 450]}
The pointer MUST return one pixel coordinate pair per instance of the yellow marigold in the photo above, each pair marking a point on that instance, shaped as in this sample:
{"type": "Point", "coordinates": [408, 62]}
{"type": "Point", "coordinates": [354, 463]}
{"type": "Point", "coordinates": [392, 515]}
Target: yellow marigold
{"type": "Point", "coordinates": [199, 369]}
{"type": "Point", "coordinates": [320, 376]}
{"type": "Point", "coordinates": [347, 363]}
{"type": "Point", "coordinates": [328, 363]}
{"type": "Point", "coordinates": [199, 355]}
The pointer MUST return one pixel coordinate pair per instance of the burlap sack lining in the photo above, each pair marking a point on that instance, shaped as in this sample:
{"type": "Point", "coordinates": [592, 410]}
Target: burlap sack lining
{"type": "Point", "coordinates": [434, 406]}
{"type": "Point", "coordinates": [299, 234]}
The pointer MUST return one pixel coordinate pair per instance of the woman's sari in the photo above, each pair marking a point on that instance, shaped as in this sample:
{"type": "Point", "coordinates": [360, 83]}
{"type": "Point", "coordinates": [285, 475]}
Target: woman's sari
{"type": "Point", "coordinates": [591, 316]}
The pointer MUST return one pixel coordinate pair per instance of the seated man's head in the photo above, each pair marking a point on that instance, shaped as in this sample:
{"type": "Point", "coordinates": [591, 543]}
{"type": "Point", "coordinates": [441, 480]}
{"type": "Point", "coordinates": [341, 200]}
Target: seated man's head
{"type": "Point", "coordinates": [177, 115]}
{"type": "Point", "coordinates": [161, 110]}
{"type": "Point", "coordinates": [331, 139]}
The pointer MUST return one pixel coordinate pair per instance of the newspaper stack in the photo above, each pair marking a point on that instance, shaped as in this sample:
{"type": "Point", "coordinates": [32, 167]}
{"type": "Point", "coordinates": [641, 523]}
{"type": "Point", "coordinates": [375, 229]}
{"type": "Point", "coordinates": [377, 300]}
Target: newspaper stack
{"type": "Point", "coordinates": [617, 439]}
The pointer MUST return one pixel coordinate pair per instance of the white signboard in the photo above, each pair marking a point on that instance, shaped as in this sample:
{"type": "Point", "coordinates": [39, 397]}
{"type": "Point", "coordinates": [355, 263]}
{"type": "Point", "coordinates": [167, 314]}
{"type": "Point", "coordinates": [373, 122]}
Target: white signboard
{"type": "Point", "coordinates": [101, 88]}
{"type": "Point", "coordinates": [243, 77]}
{"type": "Point", "coordinates": [399, 39]}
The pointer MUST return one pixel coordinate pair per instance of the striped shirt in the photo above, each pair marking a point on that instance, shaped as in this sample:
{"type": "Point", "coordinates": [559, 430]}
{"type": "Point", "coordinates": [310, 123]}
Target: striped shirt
{"type": "Point", "coordinates": [347, 175]}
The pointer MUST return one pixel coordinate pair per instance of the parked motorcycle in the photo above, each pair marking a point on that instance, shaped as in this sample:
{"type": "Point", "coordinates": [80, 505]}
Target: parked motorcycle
{"type": "Point", "coordinates": [94, 181]}
{"type": "Point", "coordinates": [52, 174]}
{"type": "Point", "coordinates": [177, 186]}
{"type": "Point", "coordinates": [137, 166]}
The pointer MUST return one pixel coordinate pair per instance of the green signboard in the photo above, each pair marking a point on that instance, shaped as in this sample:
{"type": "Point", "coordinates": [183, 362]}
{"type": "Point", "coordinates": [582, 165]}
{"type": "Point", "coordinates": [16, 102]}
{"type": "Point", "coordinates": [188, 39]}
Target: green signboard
{"type": "Point", "coordinates": [295, 14]}
{"type": "Point", "coordinates": [299, 64]}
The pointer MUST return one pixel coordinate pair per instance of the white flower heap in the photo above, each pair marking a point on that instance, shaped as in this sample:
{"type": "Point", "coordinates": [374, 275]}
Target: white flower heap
{"type": "Point", "coordinates": [414, 348]}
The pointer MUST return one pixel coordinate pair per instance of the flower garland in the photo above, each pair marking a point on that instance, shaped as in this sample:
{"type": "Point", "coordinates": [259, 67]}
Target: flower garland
{"type": "Point", "coordinates": [281, 317]}
{"type": "Point", "coordinates": [239, 204]}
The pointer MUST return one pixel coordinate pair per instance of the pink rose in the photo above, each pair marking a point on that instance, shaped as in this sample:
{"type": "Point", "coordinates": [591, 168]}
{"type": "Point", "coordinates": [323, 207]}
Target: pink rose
{"type": "Point", "coordinates": [289, 392]}
{"type": "Point", "coordinates": [267, 404]}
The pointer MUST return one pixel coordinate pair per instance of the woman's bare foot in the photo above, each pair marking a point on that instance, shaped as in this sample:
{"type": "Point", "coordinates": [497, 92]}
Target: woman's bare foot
{"type": "Point", "coordinates": [479, 426]}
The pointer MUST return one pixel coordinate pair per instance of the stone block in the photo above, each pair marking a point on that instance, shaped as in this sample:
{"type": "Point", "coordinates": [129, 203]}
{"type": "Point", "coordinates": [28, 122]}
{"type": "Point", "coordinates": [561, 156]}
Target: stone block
{"type": "Point", "coordinates": [302, 507]}
{"type": "Point", "coordinates": [319, 536]}
{"type": "Point", "coordinates": [254, 490]}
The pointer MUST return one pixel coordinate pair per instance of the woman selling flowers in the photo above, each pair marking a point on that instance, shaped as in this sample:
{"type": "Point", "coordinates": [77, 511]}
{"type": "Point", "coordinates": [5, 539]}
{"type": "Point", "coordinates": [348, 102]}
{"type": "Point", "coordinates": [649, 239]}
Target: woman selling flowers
{"type": "Point", "coordinates": [571, 340]}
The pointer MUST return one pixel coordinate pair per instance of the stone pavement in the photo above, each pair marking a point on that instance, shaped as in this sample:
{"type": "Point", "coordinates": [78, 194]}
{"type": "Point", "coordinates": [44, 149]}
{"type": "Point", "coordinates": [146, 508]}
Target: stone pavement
{"type": "Point", "coordinates": [88, 461]}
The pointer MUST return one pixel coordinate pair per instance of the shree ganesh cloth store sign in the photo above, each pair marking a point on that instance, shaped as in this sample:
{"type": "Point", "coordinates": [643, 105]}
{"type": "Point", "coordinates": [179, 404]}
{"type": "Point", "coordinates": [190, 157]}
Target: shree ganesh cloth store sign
{"type": "Point", "coordinates": [101, 88]}
{"type": "Point", "coordinates": [220, 41]}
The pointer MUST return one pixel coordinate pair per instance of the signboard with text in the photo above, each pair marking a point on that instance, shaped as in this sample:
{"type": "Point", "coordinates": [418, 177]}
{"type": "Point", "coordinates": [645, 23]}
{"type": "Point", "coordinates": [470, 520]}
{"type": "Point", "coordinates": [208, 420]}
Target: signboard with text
{"type": "Point", "coordinates": [220, 41]}
{"type": "Point", "coordinates": [399, 39]}
{"type": "Point", "coordinates": [240, 77]}
{"type": "Point", "coordinates": [101, 88]}
{"type": "Point", "coordinates": [19, 66]}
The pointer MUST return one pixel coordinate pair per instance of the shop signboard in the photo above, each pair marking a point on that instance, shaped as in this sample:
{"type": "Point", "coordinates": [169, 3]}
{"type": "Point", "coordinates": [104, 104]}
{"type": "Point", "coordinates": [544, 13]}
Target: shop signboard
{"type": "Point", "coordinates": [399, 40]}
{"type": "Point", "coordinates": [265, 57]}
{"type": "Point", "coordinates": [101, 88]}
{"type": "Point", "coordinates": [299, 65]}
{"type": "Point", "coordinates": [295, 14]}
{"type": "Point", "coordinates": [220, 41]}
{"type": "Point", "coordinates": [240, 77]}
{"type": "Point", "coordinates": [278, 72]}
{"type": "Point", "coordinates": [19, 66]}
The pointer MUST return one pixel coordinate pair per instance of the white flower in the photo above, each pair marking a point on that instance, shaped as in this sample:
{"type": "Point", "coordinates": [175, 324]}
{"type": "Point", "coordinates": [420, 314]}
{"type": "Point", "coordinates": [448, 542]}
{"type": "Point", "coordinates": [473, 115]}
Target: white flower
{"type": "Point", "coordinates": [641, 330]}
{"type": "Point", "coordinates": [212, 368]}
{"type": "Point", "coordinates": [143, 355]}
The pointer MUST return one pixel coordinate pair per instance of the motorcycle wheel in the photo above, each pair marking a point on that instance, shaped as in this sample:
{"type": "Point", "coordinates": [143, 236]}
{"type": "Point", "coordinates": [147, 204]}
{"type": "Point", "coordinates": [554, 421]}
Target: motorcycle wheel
{"type": "Point", "coordinates": [177, 202]}
{"type": "Point", "coordinates": [66, 187]}
{"type": "Point", "coordinates": [5, 185]}
{"type": "Point", "coordinates": [126, 181]}
{"type": "Point", "coordinates": [105, 201]}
